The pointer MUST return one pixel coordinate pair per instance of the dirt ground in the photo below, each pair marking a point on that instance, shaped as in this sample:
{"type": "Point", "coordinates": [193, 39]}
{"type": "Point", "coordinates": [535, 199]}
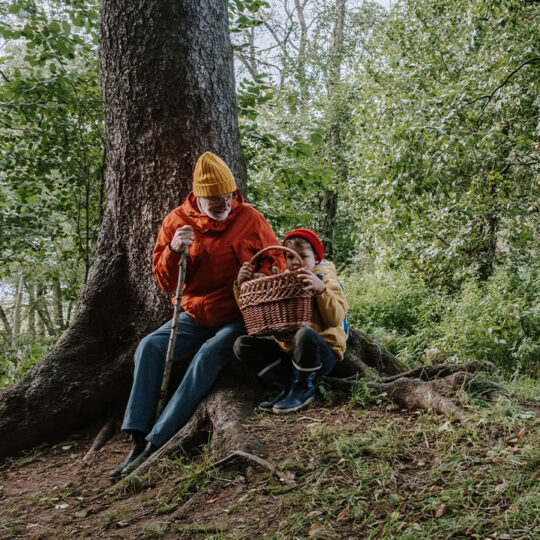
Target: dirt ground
{"type": "Point", "coordinates": [53, 492]}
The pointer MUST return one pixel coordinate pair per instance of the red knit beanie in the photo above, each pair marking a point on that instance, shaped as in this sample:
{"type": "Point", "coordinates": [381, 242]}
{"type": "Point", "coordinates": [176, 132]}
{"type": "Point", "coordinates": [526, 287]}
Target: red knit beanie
{"type": "Point", "coordinates": [312, 238]}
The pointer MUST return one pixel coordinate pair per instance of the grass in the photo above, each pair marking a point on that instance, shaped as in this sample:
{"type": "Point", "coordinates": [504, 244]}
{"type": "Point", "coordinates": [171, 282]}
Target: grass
{"type": "Point", "coordinates": [120, 514]}
{"type": "Point", "coordinates": [361, 469]}
{"type": "Point", "coordinates": [422, 478]}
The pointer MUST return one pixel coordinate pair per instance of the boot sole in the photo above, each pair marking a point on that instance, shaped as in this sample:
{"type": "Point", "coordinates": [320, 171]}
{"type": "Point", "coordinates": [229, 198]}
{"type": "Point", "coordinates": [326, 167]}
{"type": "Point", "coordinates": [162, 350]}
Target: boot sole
{"type": "Point", "coordinates": [293, 409]}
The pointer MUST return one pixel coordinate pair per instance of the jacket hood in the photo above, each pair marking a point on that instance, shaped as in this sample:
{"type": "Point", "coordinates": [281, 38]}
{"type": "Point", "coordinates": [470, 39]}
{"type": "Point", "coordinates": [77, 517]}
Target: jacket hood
{"type": "Point", "coordinates": [325, 268]}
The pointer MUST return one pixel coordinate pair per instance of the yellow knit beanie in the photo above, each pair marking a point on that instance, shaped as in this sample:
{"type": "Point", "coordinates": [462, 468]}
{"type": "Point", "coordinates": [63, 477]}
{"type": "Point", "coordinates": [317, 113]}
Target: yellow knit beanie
{"type": "Point", "coordinates": [212, 177]}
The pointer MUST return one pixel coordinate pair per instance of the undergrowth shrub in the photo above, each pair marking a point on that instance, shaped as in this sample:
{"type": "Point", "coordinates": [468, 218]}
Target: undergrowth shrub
{"type": "Point", "coordinates": [496, 320]}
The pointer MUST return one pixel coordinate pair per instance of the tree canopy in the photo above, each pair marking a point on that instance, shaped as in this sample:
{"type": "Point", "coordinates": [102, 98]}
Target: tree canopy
{"type": "Point", "coordinates": [406, 134]}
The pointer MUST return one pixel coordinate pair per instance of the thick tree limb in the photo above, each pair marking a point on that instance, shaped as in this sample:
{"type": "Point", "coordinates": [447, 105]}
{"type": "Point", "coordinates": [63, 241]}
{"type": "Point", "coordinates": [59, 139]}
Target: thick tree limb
{"type": "Point", "coordinates": [442, 370]}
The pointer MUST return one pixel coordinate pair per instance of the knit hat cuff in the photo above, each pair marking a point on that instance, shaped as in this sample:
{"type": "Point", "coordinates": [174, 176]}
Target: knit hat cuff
{"type": "Point", "coordinates": [219, 187]}
{"type": "Point", "coordinates": [312, 238]}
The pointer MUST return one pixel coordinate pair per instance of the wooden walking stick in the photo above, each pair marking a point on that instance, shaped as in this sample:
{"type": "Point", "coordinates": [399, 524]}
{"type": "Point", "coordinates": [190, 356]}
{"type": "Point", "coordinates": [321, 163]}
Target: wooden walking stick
{"type": "Point", "coordinates": [174, 330]}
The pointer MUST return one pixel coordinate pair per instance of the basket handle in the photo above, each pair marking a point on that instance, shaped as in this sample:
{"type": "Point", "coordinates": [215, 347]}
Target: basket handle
{"type": "Point", "coordinates": [259, 253]}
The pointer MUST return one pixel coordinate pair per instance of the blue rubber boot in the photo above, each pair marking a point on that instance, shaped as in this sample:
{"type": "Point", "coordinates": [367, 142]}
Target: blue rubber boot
{"type": "Point", "coordinates": [276, 377]}
{"type": "Point", "coordinates": [301, 392]}
{"type": "Point", "coordinates": [281, 392]}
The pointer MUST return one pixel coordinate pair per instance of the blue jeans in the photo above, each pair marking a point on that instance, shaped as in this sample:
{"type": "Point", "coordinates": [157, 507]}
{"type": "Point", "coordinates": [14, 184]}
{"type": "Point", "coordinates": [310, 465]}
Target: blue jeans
{"type": "Point", "coordinates": [212, 347]}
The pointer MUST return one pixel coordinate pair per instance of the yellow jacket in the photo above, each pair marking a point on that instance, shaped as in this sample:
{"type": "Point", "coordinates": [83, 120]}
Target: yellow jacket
{"type": "Point", "coordinates": [329, 312]}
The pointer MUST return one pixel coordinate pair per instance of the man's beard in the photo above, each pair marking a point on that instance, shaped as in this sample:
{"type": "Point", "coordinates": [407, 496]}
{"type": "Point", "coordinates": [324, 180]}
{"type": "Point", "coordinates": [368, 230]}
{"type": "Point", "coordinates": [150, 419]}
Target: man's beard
{"type": "Point", "coordinates": [218, 216]}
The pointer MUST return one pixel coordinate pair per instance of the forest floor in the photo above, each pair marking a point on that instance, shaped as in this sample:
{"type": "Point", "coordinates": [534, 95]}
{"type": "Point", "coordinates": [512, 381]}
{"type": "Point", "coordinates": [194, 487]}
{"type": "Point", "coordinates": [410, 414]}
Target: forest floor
{"type": "Point", "coordinates": [351, 467]}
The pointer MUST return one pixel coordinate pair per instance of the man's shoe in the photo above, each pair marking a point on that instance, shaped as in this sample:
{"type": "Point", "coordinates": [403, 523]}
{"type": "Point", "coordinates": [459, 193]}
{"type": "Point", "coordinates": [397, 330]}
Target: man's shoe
{"type": "Point", "coordinates": [267, 405]}
{"type": "Point", "coordinates": [139, 444]}
{"type": "Point", "coordinates": [143, 456]}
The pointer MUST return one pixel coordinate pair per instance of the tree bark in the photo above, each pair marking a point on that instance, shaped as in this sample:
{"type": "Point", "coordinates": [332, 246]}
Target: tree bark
{"type": "Point", "coordinates": [335, 144]}
{"type": "Point", "coordinates": [168, 90]}
{"type": "Point", "coordinates": [17, 313]}
{"type": "Point", "coordinates": [31, 310]}
{"type": "Point", "coordinates": [58, 308]}
{"type": "Point", "coordinates": [7, 326]}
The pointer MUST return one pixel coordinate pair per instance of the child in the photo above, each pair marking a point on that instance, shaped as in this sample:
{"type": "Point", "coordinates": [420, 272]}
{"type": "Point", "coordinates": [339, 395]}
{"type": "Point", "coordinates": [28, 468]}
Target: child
{"type": "Point", "coordinates": [311, 351]}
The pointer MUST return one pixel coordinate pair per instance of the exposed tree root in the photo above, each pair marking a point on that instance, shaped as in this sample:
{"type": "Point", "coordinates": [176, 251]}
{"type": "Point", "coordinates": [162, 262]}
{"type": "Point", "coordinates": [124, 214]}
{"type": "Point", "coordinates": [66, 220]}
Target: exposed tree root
{"type": "Point", "coordinates": [366, 357]}
{"type": "Point", "coordinates": [282, 476]}
{"type": "Point", "coordinates": [219, 416]}
{"type": "Point", "coordinates": [418, 394]}
{"type": "Point", "coordinates": [109, 428]}
{"type": "Point", "coordinates": [414, 390]}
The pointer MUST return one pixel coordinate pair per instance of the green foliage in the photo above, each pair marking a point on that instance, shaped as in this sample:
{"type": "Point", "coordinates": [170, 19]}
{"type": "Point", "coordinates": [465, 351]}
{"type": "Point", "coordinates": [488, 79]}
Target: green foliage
{"type": "Point", "coordinates": [51, 149]}
{"type": "Point", "coordinates": [496, 320]}
{"type": "Point", "coordinates": [446, 153]}
{"type": "Point", "coordinates": [51, 165]}
{"type": "Point", "coordinates": [15, 363]}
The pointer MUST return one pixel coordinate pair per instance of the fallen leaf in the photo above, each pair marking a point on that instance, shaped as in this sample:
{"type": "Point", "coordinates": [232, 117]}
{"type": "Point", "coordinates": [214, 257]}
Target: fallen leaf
{"type": "Point", "coordinates": [434, 489]}
{"type": "Point", "coordinates": [443, 510]}
{"type": "Point", "coordinates": [287, 477]}
{"type": "Point", "coordinates": [513, 441]}
{"type": "Point", "coordinates": [314, 513]}
{"type": "Point", "coordinates": [521, 433]}
{"type": "Point", "coordinates": [421, 463]}
{"type": "Point", "coordinates": [463, 493]}
{"type": "Point", "coordinates": [211, 501]}
{"type": "Point", "coordinates": [512, 449]}
{"type": "Point", "coordinates": [344, 513]}
{"type": "Point", "coordinates": [61, 506]}
{"type": "Point", "coordinates": [500, 488]}
{"type": "Point", "coordinates": [315, 528]}
{"type": "Point", "coordinates": [66, 447]}
{"type": "Point", "coordinates": [341, 461]}
{"type": "Point", "coordinates": [469, 532]}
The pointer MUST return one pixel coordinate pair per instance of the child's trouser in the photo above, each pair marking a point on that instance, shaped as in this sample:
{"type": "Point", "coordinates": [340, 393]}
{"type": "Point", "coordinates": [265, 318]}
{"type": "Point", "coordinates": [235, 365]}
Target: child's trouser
{"type": "Point", "coordinates": [264, 356]}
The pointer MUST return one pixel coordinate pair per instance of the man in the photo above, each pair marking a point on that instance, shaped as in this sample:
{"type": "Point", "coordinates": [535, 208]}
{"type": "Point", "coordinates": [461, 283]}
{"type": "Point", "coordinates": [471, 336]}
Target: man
{"type": "Point", "coordinates": [220, 232]}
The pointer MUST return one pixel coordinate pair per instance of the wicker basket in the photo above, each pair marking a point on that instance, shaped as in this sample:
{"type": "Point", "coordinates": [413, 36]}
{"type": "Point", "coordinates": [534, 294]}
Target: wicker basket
{"type": "Point", "coordinates": [275, 304]}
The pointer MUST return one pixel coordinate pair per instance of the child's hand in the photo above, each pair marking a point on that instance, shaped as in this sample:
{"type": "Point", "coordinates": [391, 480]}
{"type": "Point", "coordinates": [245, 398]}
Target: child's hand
{"type": "Point", "coordinates": [311, 281]}
{"type": "Point", "coordinates": [245, 273]}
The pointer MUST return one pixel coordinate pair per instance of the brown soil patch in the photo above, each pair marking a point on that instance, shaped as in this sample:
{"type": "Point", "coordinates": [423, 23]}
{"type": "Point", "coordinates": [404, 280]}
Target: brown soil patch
{"type": "Point", "coordinates": [54, 493]}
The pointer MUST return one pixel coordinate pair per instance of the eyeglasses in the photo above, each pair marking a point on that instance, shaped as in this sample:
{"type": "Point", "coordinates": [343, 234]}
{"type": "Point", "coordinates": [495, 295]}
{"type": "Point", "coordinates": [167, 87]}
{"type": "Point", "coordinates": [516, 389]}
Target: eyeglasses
{"type": "Point", "coordinates": [228, 197]}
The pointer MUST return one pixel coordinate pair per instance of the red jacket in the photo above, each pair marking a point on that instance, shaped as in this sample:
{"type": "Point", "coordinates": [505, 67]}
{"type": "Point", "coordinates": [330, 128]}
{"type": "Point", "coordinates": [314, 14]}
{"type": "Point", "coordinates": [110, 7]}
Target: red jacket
{"type": "Point", "coordinates": [215, 257]}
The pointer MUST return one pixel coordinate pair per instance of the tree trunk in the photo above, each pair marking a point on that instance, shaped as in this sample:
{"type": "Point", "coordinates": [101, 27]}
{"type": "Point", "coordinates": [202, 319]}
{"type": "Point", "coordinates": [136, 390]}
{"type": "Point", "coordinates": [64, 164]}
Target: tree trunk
{"type": "Point", "coordinates": [168, 90]}
{"type": "Point", "coordinates": [58, 308]}
{"type": "Point", "coordinates": [7, 326]}
{"type": "Point", "coordinates": [335, 144]}
{"type": "Point", "coordinates": [17, 313]}
{"type": "Point", "coordinates": [31, 310]}
{"type": "Point", "coordinates": [43, 312]}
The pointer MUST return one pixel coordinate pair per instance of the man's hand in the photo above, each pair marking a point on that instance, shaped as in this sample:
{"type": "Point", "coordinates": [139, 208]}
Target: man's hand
{"type": "Point", "coordinates": [183, 237]}
{"type": "Point", "coordinates": [311, 281]}
{"type": "Point", "coordinates": [245, 273]}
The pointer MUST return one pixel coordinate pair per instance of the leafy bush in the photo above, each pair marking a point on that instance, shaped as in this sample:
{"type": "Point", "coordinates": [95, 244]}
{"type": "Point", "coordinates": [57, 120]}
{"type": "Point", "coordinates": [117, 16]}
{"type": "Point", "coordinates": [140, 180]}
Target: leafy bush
{"type": "Point", "coordinates": [496, 320]}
